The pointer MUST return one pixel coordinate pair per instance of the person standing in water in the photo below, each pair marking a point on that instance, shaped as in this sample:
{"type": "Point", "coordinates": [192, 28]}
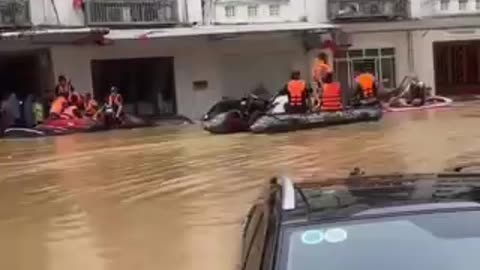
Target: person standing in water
{"type": "Point", "coordinates": [38, 111]}
{"type": "Point", "coordinates": [63, 86]}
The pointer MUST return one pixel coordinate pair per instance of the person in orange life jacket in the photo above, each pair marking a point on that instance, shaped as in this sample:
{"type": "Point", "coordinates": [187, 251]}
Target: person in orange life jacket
{"type": "Point", "coordinates": [321, 69]}
{"type": "Point", "coordinates": [297, 91]}
{"type": "Point", "coordinates": [72, 111]}
{"type": "Point", "coordinates": [90, 105]}
{"type": "Point", "coordinates": [58, 106]}
{"type": "Point", "coordinates": [331, 98]}
{"type": "Point", "coordinates": [115, 102]}
{"type": "Point", "coordinates": [366, 88]}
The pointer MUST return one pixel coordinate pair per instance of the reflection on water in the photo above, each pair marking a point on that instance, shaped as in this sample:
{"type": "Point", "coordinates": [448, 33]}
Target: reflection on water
{"type": "Point", "coordinates": [175, 198]}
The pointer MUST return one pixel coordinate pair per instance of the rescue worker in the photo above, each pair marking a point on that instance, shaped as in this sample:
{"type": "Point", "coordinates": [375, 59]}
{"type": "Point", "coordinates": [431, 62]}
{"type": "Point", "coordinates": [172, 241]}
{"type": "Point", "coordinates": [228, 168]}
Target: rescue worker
{"type": "Point", "coordinates": [331, 99]}
{"type": "Point", "coordinates": [90, 105]}
{"type": "Point", "coordinates": [115, 102]}
{"type": "Point", "coordinates": [297, 91]}
{"type": "Point", "coordinates": [63, 86]}
{"type": "Point", "coordinates": [321, 69]}
{"type": "Point", "coordinates": [366, 88]}
{"type": "Point", "coordinates": [58, 106]}
{"type": "Point", "coordinates": [72, 111]}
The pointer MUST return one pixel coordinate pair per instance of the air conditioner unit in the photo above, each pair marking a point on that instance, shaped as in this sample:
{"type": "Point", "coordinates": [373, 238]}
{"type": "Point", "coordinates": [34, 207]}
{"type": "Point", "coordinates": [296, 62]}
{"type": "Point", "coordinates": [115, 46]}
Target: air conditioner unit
{"type": "Point", "coordinates": [118, 14]}
{"type": "Point", "coordinates": [368, 9]}
{"type": "Point", "coordinates": [348, 9]}
{"type": "Point", "coordinates": [374, 9]}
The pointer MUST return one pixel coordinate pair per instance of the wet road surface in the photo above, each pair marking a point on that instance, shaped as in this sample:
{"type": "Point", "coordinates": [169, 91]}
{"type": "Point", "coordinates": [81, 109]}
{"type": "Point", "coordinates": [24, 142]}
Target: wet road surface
{"type": "Point", "coordinates": [174, 198]}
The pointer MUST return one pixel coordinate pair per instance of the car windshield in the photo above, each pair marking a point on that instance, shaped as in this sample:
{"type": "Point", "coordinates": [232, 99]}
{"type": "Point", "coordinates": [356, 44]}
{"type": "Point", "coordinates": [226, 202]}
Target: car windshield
{"type": "Point", "coordinates": [438, 241]}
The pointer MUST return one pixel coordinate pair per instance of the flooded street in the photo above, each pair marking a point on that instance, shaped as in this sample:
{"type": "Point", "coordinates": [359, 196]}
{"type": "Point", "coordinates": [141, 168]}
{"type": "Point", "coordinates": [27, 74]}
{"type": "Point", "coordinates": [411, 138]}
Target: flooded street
{"type": "Point", "coordinates": [175, 198]}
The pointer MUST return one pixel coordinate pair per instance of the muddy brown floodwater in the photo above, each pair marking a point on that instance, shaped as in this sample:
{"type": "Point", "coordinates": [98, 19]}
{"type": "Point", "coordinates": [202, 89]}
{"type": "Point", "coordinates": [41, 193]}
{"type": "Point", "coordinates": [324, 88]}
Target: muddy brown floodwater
{"type": "Point", "coordinates": [175, 198]}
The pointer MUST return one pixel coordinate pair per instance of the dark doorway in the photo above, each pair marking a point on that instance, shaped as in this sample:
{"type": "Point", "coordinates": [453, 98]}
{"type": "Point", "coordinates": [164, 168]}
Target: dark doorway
{"type": "Point", "coordinates": [457, 67]}
{"type": "Point", "coordinates": [25, 73]}
{"type": "Point", "coordinates": [27, 77]}
{"type": "Point", "coordinates": [147, 84]}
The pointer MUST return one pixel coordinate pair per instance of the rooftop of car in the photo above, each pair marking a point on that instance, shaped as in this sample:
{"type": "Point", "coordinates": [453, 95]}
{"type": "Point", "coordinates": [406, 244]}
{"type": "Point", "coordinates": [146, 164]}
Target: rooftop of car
{"type": "Point", "coordinates": [357, 197]}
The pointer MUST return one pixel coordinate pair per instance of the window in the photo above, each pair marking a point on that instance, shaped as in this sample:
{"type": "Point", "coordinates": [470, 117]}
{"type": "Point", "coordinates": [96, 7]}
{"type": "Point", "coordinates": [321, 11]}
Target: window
{"type": "Point", "coordinates": [371, 52]}
{"type": "Point", "coordinates": [274, 10]}
{"type": "Point", "coordinates": [462, 4]}
{"type": "Point", "coordinates": [440, 241]}
{"type": "Point", "coordinates": [252, 11]}
{"type": "Point", "coordinates": [444, 4]}
{"type": "Point", "coordinates": [230, 11]}
{"type": "Point", "coordinates": [379, 61]}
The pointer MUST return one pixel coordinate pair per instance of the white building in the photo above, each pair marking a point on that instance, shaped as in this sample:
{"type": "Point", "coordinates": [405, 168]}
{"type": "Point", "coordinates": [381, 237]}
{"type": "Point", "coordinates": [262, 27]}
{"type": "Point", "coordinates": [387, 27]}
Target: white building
{"type": "Point", "coordinates": [435, 39]}
{"type": "Point", "coordinates": [181, 56]}
{"type": "Point", "coordinates": [162, 54]}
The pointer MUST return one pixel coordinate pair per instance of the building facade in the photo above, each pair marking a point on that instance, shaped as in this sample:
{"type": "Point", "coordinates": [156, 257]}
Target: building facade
{"type": "Point", "coordinates": [166, 56]}
{"type": "Point", "coordinates": [434, 39]}
{"type": "Point", "coordinates": [181, 56]}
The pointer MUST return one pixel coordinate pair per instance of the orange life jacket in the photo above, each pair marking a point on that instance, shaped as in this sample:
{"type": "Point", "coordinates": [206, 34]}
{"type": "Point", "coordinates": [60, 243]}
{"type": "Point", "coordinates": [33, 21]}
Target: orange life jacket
{"type": "Point", "coordinates": [296, 90]}
{"type": "Point", "coordinates": [58, 105]}
{"type": "Point", "coordinates": [115, 100]}
{"type": "Point", "coordinates": [70, 112]}
{"type": "Point", "coordinates": [367, 83]}
{"type": "Point", "coordinates": [321, 69]}
{"type": "Point", "coordinates": [332, 97]}
{"type": "Point", "coordinates": [91, 107]}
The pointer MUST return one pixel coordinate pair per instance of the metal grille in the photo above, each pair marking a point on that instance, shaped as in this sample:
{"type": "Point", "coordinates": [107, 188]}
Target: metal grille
{"type": "Point", "coordinates": [368, 9]}
{"type": "Point", "coordinates": [131, 12]}
{"type": "Point", "coordinates": [14, 13]}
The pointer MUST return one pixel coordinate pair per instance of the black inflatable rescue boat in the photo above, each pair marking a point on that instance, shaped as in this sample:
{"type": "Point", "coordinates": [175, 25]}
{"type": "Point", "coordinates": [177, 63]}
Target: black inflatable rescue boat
{"type": "Point", "coordinates": [230, 116]}
{"type": "Point", "coordinates": [271, 123]}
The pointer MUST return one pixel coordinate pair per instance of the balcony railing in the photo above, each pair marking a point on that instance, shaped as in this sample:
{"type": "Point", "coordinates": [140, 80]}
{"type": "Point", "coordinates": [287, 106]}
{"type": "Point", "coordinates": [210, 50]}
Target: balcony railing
{"type": "Point", "coordinates": [368, 10]}
{"type": "Point", "coordinates": [14, 13]}
{"type": "Point", "coordinates": [131, 12]}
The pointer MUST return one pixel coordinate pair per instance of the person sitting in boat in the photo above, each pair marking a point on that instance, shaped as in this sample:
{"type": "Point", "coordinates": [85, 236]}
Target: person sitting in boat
{"type": "Point", "coordinates": [366, 88]}
{"type": "Point", "coordinates": [90, 105]}
{"type": "Point", "coordinates": [72, 111]}
{"type": "Point", "coordinates": [331, 98]}
{"type": "Point", "coordinates": [58, 106]}
{"type": "Point", "coordinates": [418, 93]}
{"type": "Point", "coordinates": [414, 94]}
{"type": "Point", "coordinates": [297, 91]}
{"type": "Point", "coordinates": [115, 102]}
